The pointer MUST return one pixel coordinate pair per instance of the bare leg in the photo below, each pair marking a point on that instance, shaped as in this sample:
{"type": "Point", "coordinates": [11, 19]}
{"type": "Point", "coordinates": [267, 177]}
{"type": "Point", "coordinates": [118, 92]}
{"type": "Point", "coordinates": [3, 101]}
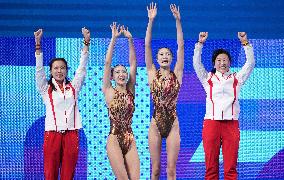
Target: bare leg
{"type": "Point", "coordinates": [173, 147]}
{"type": "Point", "coordinates": [155, 141]}
{"type": "Point", "coordinates": [116, 158]}
{"type": "Point", "coordinates": [132, 162]}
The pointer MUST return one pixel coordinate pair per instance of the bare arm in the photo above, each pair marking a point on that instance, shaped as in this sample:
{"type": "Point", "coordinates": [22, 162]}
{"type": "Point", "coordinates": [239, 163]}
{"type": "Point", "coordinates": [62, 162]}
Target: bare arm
{"type": "Point", "coordinates": [180, 52]}
{"type": "Point", "coordinates": [152, 12]}
{"type": "Point", "coordinates": [107, 67]}
{"type": "Point", "coordinates": [132, 61]}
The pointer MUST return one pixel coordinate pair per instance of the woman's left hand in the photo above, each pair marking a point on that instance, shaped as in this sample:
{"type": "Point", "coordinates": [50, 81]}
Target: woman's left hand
{"type": "Point", "coordinates": [175, 11]}
{"type": "Point", "coordinates": [86, 34]}
{"type": "Point", "coordinates": [242, 36]}
{"type": "Point", "coordinates": [126, 32]}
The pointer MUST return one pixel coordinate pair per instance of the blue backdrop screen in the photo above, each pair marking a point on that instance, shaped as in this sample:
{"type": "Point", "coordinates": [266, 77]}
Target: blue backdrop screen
{"type": "Point", "coordinates": [261, 153]}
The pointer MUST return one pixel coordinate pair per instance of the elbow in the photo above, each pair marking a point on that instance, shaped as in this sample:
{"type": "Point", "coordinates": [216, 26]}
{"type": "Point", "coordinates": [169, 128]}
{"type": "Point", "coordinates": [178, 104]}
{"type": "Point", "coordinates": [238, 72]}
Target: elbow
{"type": "Point", "coordinates": [107, 62]}
{"type": "Point", "coordinates": [147, 44]}
{"type": "Point", "coordinates": [180, 46]}
{"type": "Point", "coordinates": [181, 43]}
{"type": "Point", "coordinates": [103, 90]}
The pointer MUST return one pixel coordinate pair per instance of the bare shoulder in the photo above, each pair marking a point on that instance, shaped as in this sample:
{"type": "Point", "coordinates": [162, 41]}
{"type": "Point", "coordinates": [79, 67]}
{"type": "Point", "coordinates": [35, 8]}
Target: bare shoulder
{"type": "Point", "coordinates": [109, 95]}
{"type": "Point", "coordinates": [151, 74]}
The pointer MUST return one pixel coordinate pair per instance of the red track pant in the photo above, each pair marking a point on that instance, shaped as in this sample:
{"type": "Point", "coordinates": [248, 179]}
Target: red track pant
{"type": "Point", "coordinates": [60, 149]}
{"type": "Point", "coordinates": [216, 133]}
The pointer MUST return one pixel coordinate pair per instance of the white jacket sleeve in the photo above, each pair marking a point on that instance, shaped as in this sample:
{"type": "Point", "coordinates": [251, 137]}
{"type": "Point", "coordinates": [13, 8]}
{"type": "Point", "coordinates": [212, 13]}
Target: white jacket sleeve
{"type": "Point", "coordinates": [246, 70]}
{"type": "Point", "coordinates": [41, 82]}
{"type": "Point", "coordinates": [197, 64]}
{"type": "Point", "coordinates": [81, 72]}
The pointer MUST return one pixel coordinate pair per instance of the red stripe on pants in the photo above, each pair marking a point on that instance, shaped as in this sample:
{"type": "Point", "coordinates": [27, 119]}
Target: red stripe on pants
{"type": "Point", "coordinates": [60, 148]}
{"type": "Point", "coordinates": [215, 134]}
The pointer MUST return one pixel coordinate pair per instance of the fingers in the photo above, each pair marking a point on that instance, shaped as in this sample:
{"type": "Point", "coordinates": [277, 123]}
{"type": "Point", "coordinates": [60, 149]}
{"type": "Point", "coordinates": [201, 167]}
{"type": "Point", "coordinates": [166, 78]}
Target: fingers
{"type": "Point", "coordinates": [114, 27]}
{"type": "Point", "coordinates": [203, 34]}
{"type": "Point", "coordinates": [38, 33]}
{"type": "Point", "coordinates": [174, 8]}
{"type": "Point", "coordinates": [202, 37]}
{"type": "Point", "coordinates": [85, 31]}
{"type": "Point", "coordinates": [86, 34]}
{"type": "Point", "coordinates": [117, 29]}
{"type": "Point", "coordinates": [151, 6]}
{"type": "Point", "coordinates": [121, 29]}
{"type": "Point", "coordinates": [175, 11]}
{"type": "Point", "coordinates": [242, 34]}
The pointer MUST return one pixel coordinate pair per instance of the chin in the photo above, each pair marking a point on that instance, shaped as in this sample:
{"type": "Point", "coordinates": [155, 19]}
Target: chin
{"type": "Point", "coordinates": [165, 65]}
{"type": "Point", "coordinates": [121, 83]}
{"type": "Point", "coordinates": [59, 80]}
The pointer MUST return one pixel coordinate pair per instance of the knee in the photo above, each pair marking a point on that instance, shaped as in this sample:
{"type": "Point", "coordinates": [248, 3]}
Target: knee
{"type": "Point", "coordinates": [156, 170]}
{"type": "Point", "coordinates": [231, 170]}
{"type": "Point", "coordinates": [171, 170]}
{"type": "Point", "coordinates": [135, 177]}
{"type": "Point", "coordinates": [122, 177]}
{"type": "Point", "coordinates": [48, 175]}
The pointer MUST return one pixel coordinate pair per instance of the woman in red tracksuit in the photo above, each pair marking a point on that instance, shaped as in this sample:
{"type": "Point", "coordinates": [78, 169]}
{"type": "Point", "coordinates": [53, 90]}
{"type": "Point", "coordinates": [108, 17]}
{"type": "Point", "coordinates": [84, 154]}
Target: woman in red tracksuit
{"type": "Point", "coordinates": [221, 125]}
{"type": "Point", "coordinates": [62, 121]}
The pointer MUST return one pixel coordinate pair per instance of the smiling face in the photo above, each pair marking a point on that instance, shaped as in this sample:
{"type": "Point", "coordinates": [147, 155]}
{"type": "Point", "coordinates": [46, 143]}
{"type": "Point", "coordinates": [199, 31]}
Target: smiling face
{"type": "Point", "coordinates": [120, 75]}
{"type": "Point", "coordinates": [222, 63]}
{"type": "Point", "coordinates": [164, 57]}
{"type": "Point", "coordinates": [58, 70]}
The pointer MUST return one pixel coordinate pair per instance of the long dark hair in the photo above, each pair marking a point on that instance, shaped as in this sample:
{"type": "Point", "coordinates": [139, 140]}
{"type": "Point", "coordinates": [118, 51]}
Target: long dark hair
{"type": "Point", "coordinates": [50, 67]}
{"type": "Point", "coordinates": [215, 54]}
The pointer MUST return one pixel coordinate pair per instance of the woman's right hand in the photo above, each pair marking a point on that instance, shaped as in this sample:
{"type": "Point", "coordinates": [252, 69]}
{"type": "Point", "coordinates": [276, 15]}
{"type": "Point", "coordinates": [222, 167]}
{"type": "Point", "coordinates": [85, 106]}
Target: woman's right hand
{"type": "Point", "coordinates": [38, 35]}
{"type": "Point", "coordinates": [202, 37]}
{"type": "Point", "coordinates": [116, 30]}
{"type": "Point", "coordinates": [126, 32]}
{"type": "Point", "coordinates": [152, 11]}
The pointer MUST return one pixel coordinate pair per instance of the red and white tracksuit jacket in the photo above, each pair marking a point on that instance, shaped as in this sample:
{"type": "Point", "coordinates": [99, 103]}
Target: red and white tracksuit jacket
{"type": "Point", "coordinates": [62, 111]}
{"type": "Point", "coordinates": [222, 89]}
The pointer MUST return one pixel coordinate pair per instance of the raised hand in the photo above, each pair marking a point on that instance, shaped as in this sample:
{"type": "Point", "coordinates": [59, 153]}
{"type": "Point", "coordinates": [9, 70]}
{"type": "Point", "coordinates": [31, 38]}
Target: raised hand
{"type": "Point", "coordinates": [175, 11]}
{"type": "Point", "coordinates": [116, 30]}
{"type": "Point", "coordinates": [242, 37]}
{"type": "Point", "coordinates": [126, 32]}
{"type": "Point", "coordinates": [38, 35]}
{"type": "Point", "coordinates": [152, 10]}
{"type": "Point", "coordinates": [202, 37]}
{"type": "Point", "coordinates": [87, 35]}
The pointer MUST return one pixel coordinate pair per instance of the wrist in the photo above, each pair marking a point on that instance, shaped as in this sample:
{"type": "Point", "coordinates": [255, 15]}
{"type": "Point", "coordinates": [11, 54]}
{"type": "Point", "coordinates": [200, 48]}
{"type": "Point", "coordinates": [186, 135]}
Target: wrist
{"type": "Point", "coordinates": [244, 42]}
{"type": "Point", "coordinates": [200, 42]}
{"type": "Point", "coordinates": [37, 46]}
{"type": "Point", "coordinates": [113, 38]}
{"type": "Point", "coordinates": [86, 42]}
